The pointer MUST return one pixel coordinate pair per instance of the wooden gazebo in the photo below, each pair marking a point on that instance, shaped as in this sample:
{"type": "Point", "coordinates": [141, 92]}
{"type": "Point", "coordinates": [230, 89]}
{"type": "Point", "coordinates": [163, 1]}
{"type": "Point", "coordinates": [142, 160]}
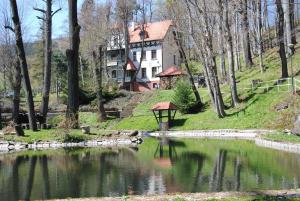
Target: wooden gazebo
{"type": "Point", "coordinates": [164, 113]}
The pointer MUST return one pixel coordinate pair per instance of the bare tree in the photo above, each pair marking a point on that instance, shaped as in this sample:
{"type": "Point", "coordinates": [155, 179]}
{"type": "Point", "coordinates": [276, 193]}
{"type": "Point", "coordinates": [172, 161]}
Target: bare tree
{"type": "Point", "coordinates": [245, 33]}
{"type": "Point", "coordinates": [259, 35]}
{"type": "Point", "coordinates": [288, 26]}
{"type": "Point", "coordinates": [280, 39]}
{"type": "Point", "coordinates": [73, 64]}
{"type": "Point", "coordinates": [229, 47]}
{"type": "Point", "coordinates": [24, 68]}
{"type": "Point", "coordinates": [47, 36]}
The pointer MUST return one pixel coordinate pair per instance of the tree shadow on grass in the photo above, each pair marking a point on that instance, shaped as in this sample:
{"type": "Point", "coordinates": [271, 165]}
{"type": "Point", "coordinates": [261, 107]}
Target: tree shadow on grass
{"type": "Point", "coordinates": [178, 122]}
{"type": "Point", "coordinates": [243, 110]}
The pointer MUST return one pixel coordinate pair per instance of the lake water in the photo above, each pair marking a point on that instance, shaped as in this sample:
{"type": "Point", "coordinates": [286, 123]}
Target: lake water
{"type": "Point", "coordinates": [157, 167]}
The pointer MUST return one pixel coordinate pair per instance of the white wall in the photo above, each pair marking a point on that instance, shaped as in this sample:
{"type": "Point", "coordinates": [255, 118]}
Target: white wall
{"type": "Point", "coordinates": [148, 63]}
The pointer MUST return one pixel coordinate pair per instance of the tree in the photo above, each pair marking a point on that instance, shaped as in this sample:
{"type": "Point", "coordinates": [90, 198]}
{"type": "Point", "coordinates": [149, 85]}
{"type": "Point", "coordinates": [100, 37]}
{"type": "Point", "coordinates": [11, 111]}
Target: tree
{"type": "Point", "coordinates": [229, 47]}
{"type": "Point", "coordinates": [73, 64]}
{"type": "Point", "coordinates": [280, 39]}
{"type": "Point", "coordinates": [245, 33]}
{"type": "Point", "coordinates": [98, 66]}
{"type": "Point", "coordinates": [47, 21]}
{"type": "Point", "coordinates": [24, 68]}
{"type": "Point", "coordinates": [288, 26]}
{"type": "Point", "coordinates": [259, 35]}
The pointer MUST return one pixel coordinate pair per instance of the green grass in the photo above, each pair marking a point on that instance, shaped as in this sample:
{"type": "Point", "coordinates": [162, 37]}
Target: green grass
{"type": "Point", "coordinates": [246, 198]}
{"type": "Point", "coordinates": [282, 137]}
{"type": "Point", "coordinates": [60, 135]}
{"type": "Point", "coordinates": [256, 110]}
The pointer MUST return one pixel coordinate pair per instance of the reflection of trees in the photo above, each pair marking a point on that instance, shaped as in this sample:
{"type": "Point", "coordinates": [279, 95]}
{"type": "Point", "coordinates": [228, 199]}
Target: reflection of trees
{"type": "Point", "coordinates": [15, 176]}
{"type": "Point", "coordinates": [237, 174]}
{"type": "Point", "coordinates": [216, 179]}
{"type": "Point", "coordinates": [45, 171]}
{"type": "Point", "coordinates": [30, 178]}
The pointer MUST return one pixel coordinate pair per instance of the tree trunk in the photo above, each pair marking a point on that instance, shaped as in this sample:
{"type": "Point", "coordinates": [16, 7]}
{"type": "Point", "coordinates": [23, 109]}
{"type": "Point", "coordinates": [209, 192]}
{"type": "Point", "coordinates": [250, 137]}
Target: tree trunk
{"type": "Point", "coordinates": [293, 25]}
{"type": "Point", "coordinates": [126, 48]}
{"type": "Point", "coordinates": [48, 56]}
{"type": "Point", "coordinates": [245, 31]}
{"type": "Point", "coordinates": [221, 50]}
{"type": "Point", "coordinates": [186, 64]}
{"type": "Point", "coordinates": [259, 35]}
{"type": "Point", "coordinates": [288, 27]}
{"type": "Point", "coordinates": [98, 63]}
{"type": "Point", "coordinates": [280, 35]}
{"type": "Point", "coordinates": [16, 98]}
{"type": "Point", "coordinates": [229, 47]}
{"type": "Point", "coordinates": [23, 63]}
{"type": "Point", "coordinates": [73, 64]}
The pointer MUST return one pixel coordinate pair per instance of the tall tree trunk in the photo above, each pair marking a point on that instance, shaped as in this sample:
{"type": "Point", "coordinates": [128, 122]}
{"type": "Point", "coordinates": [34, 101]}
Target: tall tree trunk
{"type": "Point", "coordinates": [293, 25]}
{"type": "Point", "coordinates": [280, 35]}
{"type": "Point", "coordinates": [229, 47]}
{"type": "Point", "coordinates": [237, 41]}
{"type": "Point", "coordinates": [47, 62]}
{"type": "Point", "coordinates": [73, 64]}
{"type": "Point", "coordinates": [126, 49]}
{"type": "Point", "coordinates": [16, 84]}
{"type": "Point", "coordinates": [259, 35]}
{"type": "Point", "coordinates": [98, 63]}
{"type": "Point", "coordinates": [221, 50]}
{"type": "Point", "coordinates": [186, 64]}
{"type": "Point", "coordinates": [23, 63]}
{"type": "Point", "coordinates": [245, 32]}
{"type": "Point", "coordinates": [288, 26]}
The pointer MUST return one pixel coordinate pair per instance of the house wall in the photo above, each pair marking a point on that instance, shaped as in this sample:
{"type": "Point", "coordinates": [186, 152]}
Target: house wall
{"type": "Point", "coordinates": [148, 63]}
{"type": "Point", "coordinates": [169, 50]}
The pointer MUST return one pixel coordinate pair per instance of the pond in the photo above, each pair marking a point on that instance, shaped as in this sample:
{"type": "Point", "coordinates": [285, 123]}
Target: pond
{"type": "Point", "coordinates": [157, 167]}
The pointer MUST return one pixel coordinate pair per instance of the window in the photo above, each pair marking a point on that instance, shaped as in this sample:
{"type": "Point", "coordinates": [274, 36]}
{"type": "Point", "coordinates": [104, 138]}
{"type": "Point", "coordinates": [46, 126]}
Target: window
{"type": "Point", "coordinates": [154, 71]}
{"type": "Point", "coordinates": [155, 86]}
{"type": "Point", "coordinates": [115, 41]}
{"type": "Point", "coordinates": [174, 59]}
{"type": "Point", "coordinates": [153, 54]}
{"type": "Point", "coordinates": [134, 56]}
{"type": "Point", "coordinates": [144, 73]}
{"type": "Point", "coordinates": [114, 74]}
{"type": "Point", "coordinates": [128, 73]}
{"type": "Point", "coordinates": [144, 56]}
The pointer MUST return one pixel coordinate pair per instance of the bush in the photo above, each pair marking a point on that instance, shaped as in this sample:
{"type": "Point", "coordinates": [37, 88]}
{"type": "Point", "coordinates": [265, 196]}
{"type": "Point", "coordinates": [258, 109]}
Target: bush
{"type": "Point", "coordinates": [184, 97]}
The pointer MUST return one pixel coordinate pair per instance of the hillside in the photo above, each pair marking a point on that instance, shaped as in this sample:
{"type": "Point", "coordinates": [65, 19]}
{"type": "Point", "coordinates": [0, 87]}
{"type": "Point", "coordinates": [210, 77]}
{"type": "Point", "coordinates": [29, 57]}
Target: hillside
{"type": "Point", "coordinates": [256, 110]}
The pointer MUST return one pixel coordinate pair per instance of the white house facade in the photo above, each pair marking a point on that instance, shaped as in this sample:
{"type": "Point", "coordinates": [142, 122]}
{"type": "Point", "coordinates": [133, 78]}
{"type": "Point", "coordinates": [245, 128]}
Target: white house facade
{"type": "Point", "coordinates": [160, 53]}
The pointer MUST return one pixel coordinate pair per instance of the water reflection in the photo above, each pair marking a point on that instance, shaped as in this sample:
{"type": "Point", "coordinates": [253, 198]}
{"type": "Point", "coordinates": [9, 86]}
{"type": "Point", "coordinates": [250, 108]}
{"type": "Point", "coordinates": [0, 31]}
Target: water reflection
{"type": "Point", "coordinates": [158, 166]}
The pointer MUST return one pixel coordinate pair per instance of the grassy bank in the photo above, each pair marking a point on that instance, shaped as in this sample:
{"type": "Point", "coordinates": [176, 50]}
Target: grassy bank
{"type": "Point", "coordinates": [282, 137]}
{"type": "Point", "coordinates": [256, 110]}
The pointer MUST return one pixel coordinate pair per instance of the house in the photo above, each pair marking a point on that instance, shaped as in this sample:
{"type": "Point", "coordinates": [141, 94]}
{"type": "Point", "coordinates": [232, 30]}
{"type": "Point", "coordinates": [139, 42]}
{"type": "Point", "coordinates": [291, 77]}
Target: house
{"type": "Point", "coordinates": [160, 52]}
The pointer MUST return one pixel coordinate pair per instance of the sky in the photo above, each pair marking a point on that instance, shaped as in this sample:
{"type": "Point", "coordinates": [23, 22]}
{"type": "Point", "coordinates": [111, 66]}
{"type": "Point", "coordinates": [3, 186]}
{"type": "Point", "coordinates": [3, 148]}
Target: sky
{"type": "Point", "coordinates": [31, 25]}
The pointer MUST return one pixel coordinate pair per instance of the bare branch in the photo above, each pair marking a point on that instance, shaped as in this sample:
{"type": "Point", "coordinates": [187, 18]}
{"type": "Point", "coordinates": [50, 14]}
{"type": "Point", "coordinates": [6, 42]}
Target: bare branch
{"type": "Point", "coordinates": [38, 9]}
{"type": "Point", "coordinates": [9, 27]}
{"type": "Point", "coordinates": [40, 18]}
{"type": "Point", "coordinates": [55, 12]}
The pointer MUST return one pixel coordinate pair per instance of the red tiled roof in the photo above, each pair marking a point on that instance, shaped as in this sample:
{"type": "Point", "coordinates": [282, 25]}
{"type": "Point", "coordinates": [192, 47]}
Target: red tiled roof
{"type": "Point", "coordinates": [171, 71]}
{"type": "Point", "coordinates": [164, 106]}
{"type": "Point", "coordinates": [130, 66]}
{"type": "Point", "coordinates": [155, 31]}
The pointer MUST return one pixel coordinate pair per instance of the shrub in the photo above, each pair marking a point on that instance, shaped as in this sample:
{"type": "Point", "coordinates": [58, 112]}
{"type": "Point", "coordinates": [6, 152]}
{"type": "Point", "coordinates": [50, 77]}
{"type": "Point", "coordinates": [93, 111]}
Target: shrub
{"type": "Point", "coordinates": [184, 98]}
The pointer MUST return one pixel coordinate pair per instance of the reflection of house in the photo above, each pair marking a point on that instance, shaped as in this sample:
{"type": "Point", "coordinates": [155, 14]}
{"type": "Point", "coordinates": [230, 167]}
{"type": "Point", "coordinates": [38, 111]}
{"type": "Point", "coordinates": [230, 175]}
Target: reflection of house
{"type": "Point", "coordinates": [160, 52]}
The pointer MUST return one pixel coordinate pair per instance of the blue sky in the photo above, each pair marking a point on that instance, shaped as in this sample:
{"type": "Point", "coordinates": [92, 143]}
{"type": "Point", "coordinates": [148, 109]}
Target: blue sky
{"type": "Point", "coordinates": [31, 25]}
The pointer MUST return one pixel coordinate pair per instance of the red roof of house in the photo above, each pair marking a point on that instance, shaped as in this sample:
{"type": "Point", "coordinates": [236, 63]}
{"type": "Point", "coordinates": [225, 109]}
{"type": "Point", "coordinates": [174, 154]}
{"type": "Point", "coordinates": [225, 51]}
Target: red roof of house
{"type": "Point", "coordinates": [154, 31]}
{"type": "Point", "coordinates": [130, 66]}
{"type": "Point", "coordinates": [171, 71]}
{"type": "Point", "coordinates": [164, 106]}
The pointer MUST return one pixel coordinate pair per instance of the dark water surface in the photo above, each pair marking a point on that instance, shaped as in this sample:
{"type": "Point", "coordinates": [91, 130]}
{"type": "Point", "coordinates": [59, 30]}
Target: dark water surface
{"type": "Point", "coordinates": [192, 165]}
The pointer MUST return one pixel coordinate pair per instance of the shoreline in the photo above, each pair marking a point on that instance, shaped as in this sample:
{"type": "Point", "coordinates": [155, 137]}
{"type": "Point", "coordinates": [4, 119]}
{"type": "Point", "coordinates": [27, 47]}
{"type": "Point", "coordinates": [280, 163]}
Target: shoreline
{"type": "Point", "coordinates": [292, 193]}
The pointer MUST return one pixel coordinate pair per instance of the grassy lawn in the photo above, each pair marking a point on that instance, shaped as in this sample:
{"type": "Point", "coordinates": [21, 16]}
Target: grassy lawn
{"type": "Point", "coordinates": [258, 198]}
{"type": "Point", "coordinates": [256, 110]}
{"type": "Point", "coordinates": [282, 137]}
{"type": "Point", "coordinates": [60, 135]}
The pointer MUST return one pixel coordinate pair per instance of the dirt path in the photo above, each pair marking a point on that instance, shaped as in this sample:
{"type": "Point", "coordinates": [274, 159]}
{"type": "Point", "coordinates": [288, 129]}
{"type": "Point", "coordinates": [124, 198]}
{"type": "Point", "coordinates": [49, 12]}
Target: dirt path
{"type": "Point", "coordinates": [196, 196]}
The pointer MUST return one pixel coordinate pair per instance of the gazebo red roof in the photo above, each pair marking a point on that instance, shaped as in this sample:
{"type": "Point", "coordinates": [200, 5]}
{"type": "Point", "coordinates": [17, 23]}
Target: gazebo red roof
{"type": "Point", "coordinates": [171, 71]}
{"type": "Point", "coordinates": [164, 106]}
{"type": "Point", "coordinates": [130, 66]}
